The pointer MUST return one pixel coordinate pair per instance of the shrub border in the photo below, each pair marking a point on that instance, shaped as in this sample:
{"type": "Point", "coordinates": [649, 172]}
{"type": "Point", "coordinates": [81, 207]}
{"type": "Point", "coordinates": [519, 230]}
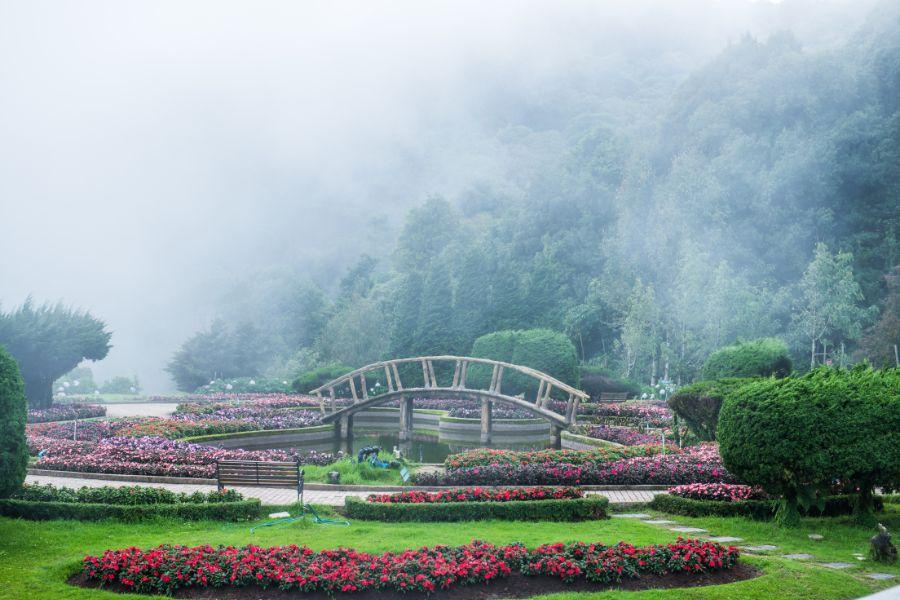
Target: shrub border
{"type": "Point", "coordinates": [83, 511]}
{"type": "Point", "coordinates": [762, 510]}
{"type": "Point", "coordinates": [581, 509]}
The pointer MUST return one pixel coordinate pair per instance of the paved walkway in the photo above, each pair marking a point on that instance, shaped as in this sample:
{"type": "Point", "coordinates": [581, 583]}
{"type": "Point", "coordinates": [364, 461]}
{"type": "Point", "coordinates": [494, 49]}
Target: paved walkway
{"type": "Point", "coordinates": [285, 496]}
{"type": "Point", "coordinates": [140, 409]}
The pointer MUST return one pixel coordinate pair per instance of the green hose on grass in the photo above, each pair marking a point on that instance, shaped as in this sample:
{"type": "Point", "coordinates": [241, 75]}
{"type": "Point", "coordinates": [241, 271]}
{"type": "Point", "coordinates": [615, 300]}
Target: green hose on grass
{"type": "Point", "coordinates": [304, 509]}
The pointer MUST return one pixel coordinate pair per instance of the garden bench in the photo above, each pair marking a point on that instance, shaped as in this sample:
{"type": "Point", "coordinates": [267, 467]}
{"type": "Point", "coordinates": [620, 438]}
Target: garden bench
{"type": "Point", "coordinates": [260, 473]}
{"type": "Point", "coordinates": [613, 396]}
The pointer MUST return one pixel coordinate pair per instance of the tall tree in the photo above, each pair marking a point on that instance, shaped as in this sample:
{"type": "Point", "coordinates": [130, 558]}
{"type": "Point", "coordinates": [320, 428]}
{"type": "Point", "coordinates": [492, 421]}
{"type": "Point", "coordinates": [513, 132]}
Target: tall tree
{"type": "Point", "coordinates": [436, 333]}
{"type": "Point", "coordinates": [405, 323]}
{"type": "Point", "coordinates": [640, 333]}
{"type": "Point", "coordinates": [13, 411]}
{"type": "Point", "coordinates": [829, 303]}
{"type": "Point", "coordinates": [48, 341]}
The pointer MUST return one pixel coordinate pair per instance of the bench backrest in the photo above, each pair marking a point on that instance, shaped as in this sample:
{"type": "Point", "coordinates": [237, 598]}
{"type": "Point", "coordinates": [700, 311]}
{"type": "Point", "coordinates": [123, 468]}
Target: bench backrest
{"type": "Point", "coordinates": [613, 396]}
{"type": "Point", "coordinates": [252, 473]}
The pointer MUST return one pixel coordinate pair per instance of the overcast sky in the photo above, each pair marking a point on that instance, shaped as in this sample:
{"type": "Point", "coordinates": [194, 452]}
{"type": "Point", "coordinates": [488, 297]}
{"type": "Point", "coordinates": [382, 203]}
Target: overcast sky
{"type": "Point", "coordinates": [153, 152]}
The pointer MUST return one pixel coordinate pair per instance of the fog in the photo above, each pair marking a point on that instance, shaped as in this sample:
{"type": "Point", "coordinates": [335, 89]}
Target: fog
{"type": "Point", "coordinates": [154, 155]}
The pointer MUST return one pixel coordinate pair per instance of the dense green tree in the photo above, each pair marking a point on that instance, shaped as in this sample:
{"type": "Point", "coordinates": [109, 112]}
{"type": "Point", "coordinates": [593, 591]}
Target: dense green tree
{"type": "Point", "coordinates": [407, 308]}
{"type": "Point", "coordinates": [436, 332]}
{"type": "Point", "coordinates": [13, 411]}
{"type": "Point", "coordinates": [48, 341]}
{"type": "Point", "coordinates": [428, 230]}
{"type": "Point", "coordinates": [881, 343]}
{"type": "Point", "coordinates": [640, 334]}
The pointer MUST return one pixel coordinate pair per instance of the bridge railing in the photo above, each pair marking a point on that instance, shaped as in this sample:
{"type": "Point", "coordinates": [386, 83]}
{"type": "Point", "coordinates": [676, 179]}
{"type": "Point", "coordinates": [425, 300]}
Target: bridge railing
{"type": "Point", "coordinates": [357, 381]}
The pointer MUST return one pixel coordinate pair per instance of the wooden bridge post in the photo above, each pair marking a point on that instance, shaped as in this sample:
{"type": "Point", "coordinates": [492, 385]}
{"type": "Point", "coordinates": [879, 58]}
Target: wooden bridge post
{"type": "Point", "coordinates": [487, 420]}
{"type": "Point", "coordinates": [406, 418]}
{"type": "Point", "coordinates": [555, 436]}
{"type": "Point", "coordinates": [345, 433]}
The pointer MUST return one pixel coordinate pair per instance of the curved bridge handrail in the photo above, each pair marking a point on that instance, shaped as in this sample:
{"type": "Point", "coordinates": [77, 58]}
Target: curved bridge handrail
{"type": "Point", "coordinates": [394, 386]}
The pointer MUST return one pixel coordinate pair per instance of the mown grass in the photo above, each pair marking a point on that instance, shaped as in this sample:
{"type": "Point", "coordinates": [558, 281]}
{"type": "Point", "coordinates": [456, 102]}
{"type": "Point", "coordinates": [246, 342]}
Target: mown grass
{"type": "Point", "coordinates": [37, 557]}
{"type": "Point", "coordinates": [353, 473]}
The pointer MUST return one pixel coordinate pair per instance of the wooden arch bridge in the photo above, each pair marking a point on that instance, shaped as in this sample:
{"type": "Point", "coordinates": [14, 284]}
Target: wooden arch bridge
{"type": "Point", "coordinates": [460, 387]}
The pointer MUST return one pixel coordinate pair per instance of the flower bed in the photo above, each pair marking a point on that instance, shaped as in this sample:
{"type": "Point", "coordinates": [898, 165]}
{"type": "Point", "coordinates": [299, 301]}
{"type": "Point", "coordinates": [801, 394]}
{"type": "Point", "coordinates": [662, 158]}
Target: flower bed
{"type": "Point", "coordinates": [723, 492]}
{"type": "Point", "coordinates": [65, 412]}
{"type": "Point", "coordinates": [531, 509]}
{"type": "Point", "coordinates": [168, 569]}
{"type": "Point", "coordinates": [478, 495]}
{"type": "Point", "coordinates": [699, 465]}
{"type": "Point", "coordinates": [621, 435]}
{"type": "Point", "coordinates": [151, 456]}
{"type": "Point", "coordinates": [755, 509]}
{"type": "Point", "coordinates": [133, 503]}
{"type": "Point", "coordinates": [632, 413]}
{"type": "Point", "coordinates": [483, 457]}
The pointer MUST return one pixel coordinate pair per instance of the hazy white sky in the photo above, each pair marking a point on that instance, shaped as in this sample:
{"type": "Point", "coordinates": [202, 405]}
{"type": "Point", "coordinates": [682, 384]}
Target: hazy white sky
{"type": "Point", "coordinates": [152, 152]}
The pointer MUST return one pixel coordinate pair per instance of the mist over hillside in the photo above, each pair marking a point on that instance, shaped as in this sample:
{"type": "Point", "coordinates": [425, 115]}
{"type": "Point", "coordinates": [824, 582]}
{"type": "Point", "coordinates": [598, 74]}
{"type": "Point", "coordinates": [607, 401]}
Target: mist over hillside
{"type": "Point", "coordinates": [651, 179]}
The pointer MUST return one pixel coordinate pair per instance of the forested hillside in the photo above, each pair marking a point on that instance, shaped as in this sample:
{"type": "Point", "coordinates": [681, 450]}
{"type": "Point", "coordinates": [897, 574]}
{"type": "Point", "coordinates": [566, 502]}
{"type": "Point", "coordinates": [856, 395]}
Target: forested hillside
{"type": "Point", "coordinates": [759, 196]}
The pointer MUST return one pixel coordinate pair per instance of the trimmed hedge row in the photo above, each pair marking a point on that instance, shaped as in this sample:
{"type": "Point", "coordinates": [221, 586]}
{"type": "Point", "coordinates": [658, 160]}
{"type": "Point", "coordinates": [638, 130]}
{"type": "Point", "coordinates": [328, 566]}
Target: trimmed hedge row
{"type": "Point", "coordinates": [582, 509]}
{"type": "Point", "coordinates": [762, 510]}
{"type": "Point", "coordinates": [217, 511]}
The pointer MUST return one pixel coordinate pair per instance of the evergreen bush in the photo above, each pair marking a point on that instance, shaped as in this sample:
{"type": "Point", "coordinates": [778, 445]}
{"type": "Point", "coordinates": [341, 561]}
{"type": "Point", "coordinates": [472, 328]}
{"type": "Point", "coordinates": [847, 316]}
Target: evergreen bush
{"type": "Point", "coordinates": [581, 509]}
{"type": "Point", "coordinates": [310, 380]}
{"type": "Point", "coordinates": [757, 358]}
{"type": "Point", "coordinates": [545, 350]}
{"type": "Point", "coordinates": [597, 380]}
{"type": "Point", "coordinates": [698, 404]}
{"type": "Point", "coordinates": [13, 413]}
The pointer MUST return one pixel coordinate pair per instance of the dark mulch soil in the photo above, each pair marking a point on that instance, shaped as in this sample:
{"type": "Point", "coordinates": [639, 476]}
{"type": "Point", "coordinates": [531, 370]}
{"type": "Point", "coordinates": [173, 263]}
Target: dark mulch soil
{"type": "Point", "coordinates": [514, 586]}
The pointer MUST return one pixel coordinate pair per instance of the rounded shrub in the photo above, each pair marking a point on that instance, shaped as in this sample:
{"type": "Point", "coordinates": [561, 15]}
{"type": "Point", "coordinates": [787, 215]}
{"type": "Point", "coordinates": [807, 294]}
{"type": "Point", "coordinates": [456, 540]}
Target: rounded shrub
{"type": "Point", "coordinates": [310, 380]}
{"type": "Point", "coordinates": [798, 437]}
{"type": "Point", "coordinates": [757, 358]}
{"type": "Point", "coordinates": [545, 350]}
{"type": "Point", "coordinates": [698, 404]}
{"type": "Point", "coordinates": [13, 413]}
{"type": "Point", "coordinates": [597, 380]}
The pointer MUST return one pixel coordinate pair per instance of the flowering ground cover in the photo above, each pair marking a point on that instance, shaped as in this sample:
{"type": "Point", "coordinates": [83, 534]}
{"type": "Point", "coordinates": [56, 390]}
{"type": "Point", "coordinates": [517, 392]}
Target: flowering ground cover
{"type": "Point", "coordinates": [695, 465]}
{"type": "Point", "coordinates": [631, 413]}
{"type": "Point", "coordinates": [722, 492]}
{"type": "Point", "coordinates": [151, 456]}
{"type": "Point", "coordinates": [478, 495]}
{"type": "Point", "coordinates": [482, 457]}
{"type": "Point", "coordinates": [170, 568]}
{"type": "Point", "coordinates": [65, 412]}
{"type": "Point", "coordinates": [626, 436]}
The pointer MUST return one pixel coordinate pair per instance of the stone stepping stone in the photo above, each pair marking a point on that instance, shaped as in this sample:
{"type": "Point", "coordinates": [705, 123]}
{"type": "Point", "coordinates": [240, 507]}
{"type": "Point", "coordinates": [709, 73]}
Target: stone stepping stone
{"type": "Point", "coordinates": [798, 556]}
{"type": "Point", "coordinates": [687, 529]}
{"type": "Point", "coordinates": [837, 565]}
{"type": "Point", "coordinates": [630, 516]}
{"type": "Point", "coordinates": [816, 537]}
{"type": "Point", "coordinates": [724, 539]}
{"type": "Point", "coordinates": [761, 548]}
{"type": "Point", "coordinates": [880, 576]}
{"type": "Point", "coordinates": [659, 522]}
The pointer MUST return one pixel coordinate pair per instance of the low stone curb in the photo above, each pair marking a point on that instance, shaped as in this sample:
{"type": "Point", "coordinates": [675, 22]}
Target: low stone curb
{"type": "Point", "coordinates": [324, 486]}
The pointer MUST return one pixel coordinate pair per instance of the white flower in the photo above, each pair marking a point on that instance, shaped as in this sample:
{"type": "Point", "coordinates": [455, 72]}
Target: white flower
{"type": "Point", "coordinates": [229, 386]}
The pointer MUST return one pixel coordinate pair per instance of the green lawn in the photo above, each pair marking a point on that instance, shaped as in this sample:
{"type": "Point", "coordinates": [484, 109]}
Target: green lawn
{"type": "Point", "coordinates": [36, 557]}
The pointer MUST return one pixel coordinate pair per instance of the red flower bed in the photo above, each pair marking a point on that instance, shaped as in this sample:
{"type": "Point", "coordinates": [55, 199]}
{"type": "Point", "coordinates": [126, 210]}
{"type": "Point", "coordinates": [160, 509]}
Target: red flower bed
{"type": "Point", "coordinates": [478, 495]}
{"type": "Point", "coordinates": [723, 492]}
{"type": "Point", "coordinates": [166, 569]}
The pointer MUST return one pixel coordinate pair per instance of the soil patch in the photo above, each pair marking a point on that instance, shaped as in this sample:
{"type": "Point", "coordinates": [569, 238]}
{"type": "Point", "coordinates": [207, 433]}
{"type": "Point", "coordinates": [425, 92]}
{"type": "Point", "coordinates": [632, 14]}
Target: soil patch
{"type": "Point", "coordinates": [514, 586]}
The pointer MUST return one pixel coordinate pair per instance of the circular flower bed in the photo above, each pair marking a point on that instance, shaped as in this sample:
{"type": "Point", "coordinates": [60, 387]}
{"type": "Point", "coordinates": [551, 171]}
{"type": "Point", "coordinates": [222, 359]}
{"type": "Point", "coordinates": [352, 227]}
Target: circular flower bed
{"type": "Point", "coordinates": [484, 457]}
{"type": "Point", "coordinates": [168, 569]}
{"type": "Point", "coordinates": [478, 495]}
{"type": "Point", "coordinates": [626, 436]}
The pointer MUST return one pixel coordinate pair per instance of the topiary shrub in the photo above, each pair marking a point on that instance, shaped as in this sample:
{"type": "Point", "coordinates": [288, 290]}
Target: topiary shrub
{"type": "Point", "coordinates": [797, 436]}
{"type": "Point", "coordinates": [698, 404]}
{"type": "Point", "coordinates": [13, 413]}
{"type": "Point", "coordinates": [757, 358]}
{"type": "Point", "coordinates": [597, 380]}
{"type": "Point", "coordinates": [319, 376]}
{"type": "Point", "coordinates": [547, 351]}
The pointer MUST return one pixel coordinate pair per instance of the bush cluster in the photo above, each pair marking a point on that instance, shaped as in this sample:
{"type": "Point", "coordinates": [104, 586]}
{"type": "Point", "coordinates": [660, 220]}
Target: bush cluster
{"type": "Point", "coordinates": [570, 509]}
{"type": "Point", "coordinates": [762, 510]}
{"type": "Point", "coordinates": [722, 492]}
{"type": "Point", "coordinates": [125, 495]}
{"type": "Point", "coordinates": [241, 510]}
{"type": "Point", "coordinates": [168, 569]}
{"type": "Point", "coordinates": [547, 351]}
{"type": "Point", "coordinates": [319, 376]}
{"type": "Point", "coordinates": [698, 404]}
{"type": "Point", "coordinates": [798, 436]}
{"type": "Point", "coordinates": [597, 380]}
{"type": "Point", "coordinates": [757, 358]}
{"type": "Point", "coordinates": [13, 447]}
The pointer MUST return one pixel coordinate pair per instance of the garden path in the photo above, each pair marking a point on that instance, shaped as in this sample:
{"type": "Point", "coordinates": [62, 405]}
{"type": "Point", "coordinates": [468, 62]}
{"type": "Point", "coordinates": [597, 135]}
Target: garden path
{"type": "Point", "coordinates": [285, 496]}
{"type": "Point", "coordinates": [140, 409]}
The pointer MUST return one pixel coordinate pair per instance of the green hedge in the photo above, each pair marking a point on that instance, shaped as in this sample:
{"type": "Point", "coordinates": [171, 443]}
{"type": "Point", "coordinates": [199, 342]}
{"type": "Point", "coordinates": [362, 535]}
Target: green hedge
{"type": "Point", "coordinates": [216, 511]}
{"type": "Point", "coordinates": [13, 411]}
{"type": "Point", "coordinates": [796, 435]}
{"type": "Point", "coordinates": [757, 358]}
{"type": "Point", "coordinates": [596, 380]}
{"type": "Point", "coordinates": [547, 351]}
{"type": "Point", "coordinates": [698, 404]}
{"type": "Point", "coordinates": [583, 509]}
{"type": "Point", "coordinates": [763, 510]}
{"type": "Point", "coordinates": [312, 379]}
